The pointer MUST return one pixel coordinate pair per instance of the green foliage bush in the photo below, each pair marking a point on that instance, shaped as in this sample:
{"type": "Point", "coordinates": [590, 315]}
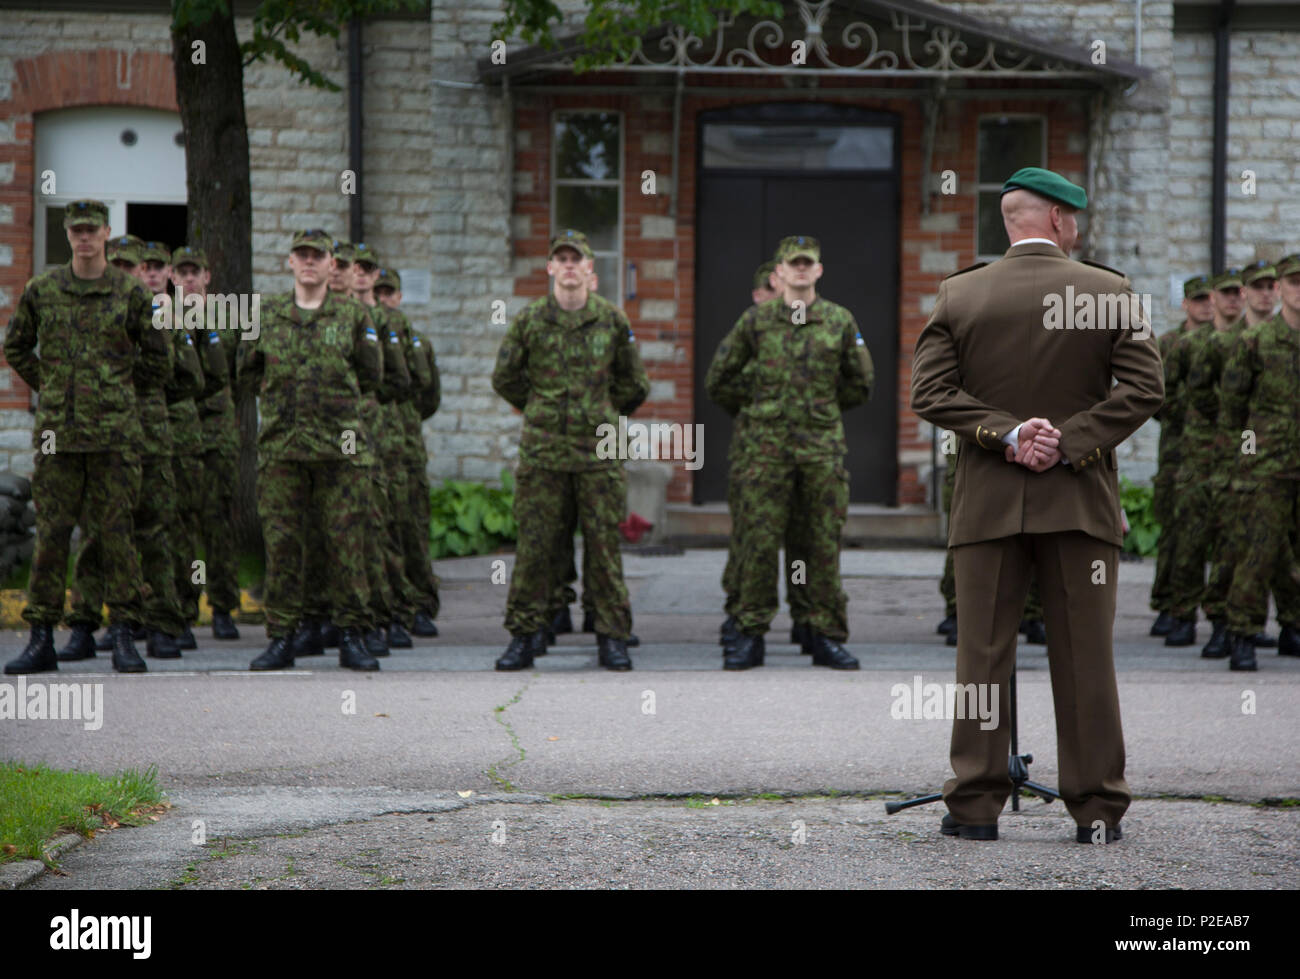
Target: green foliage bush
{"type": "Point", "coordinates": [1144, 531]}
{"type": "Point", "coordinates": [471, 518]}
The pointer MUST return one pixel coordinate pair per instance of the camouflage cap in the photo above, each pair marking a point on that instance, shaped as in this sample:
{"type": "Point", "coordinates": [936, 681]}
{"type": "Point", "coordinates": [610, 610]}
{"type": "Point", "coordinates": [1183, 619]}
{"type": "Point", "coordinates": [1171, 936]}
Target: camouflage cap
{"type": "Point", "coordinates": [569, 238]}
{"type": "Point", "coordinates": [85, 212]}
{"type": "Point", "coordinates": [1197, 287]}
{"type": "Point", "coordinates": [389, 278]}
{"type": "Point", "coordinates": [156, 251]}
{"type": "Point", "coordinates": [1258, 270]}
{"type": "Point", "coordinates": [344, 250]}
{"type": "Point", "coordinates": [1288, 265]}
{"type": "Point", "coordinates": [1049, 184]}
{"type": "Point", "coordinates": [763, 276]}
{"type": "Point", "coordinates": [1227, 279]}
{"type": "Point", "coordinates": [125, 248]}
{"type": "Point", "coordinates": [185, 255]}
{"type": "Point", "coordinates": [797, 246]}
{"type": "Point", "coordinates": [361, 252]}
{"type": "Point", "coordinates": [313, 238]}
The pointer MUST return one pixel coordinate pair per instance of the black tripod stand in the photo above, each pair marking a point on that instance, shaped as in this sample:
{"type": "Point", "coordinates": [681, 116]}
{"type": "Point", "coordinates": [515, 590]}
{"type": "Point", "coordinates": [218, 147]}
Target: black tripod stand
{"type": "Point", "coordinates": [1017, 768]}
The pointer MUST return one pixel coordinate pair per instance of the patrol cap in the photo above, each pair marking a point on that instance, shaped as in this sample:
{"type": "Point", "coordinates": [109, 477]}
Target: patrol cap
{"type": "Point", "coordinates": [344, 250]}
{"type": "Point", "coordinates": [185, 255]}
{"type": "Point", "coordinates": [1047, 184]}
{"type": "Point", "coordinates": [1258, 270]}
{"type": "Point", "coordinates": [1227, 279]}
{"type": "Point", "coordinates": [361, 252]}
{"type": "Point", "coordinates": [797, 246]}
{"type": "Point", "coordinates": [389, 278]}
{"type": "Point", "coordinates": [1288, 265]}
{"type": "Point", "coordinates": [313, 238]}
{"type": "Point", "coordinates": [126, 248]}
{"type": "Point", "coordinates": [763, 277]}
{"type": "Point", "coordinates": [156, 251]}
{"type": "Point", "coordinates": [569, 238]}
{"type": "Point", "coordinates": [1197, 287]}
{"type": "Point", "coordinates": [85, 212]}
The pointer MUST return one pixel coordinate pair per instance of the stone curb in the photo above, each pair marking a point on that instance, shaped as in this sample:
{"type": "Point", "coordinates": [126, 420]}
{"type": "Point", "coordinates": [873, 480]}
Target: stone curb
{"type": "Point", "coordinates": [20, 873]}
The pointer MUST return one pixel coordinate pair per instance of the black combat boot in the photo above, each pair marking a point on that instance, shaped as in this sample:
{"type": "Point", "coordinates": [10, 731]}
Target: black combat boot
{"type": "Point", "coordinates": [1163, 624]}
{"type": "Point", "coordinates": [38, 656]}
{"type": "Point", "coordinates": [747, 653]}
{"type": "Point", "coordinates": [354, 653]}
{"type": "Point", "coordinates": [1243, 654]}
{"type": "Point", "coordinates": [159, 645]}
{"type": "Point", "coordinates": [375, 642]}
{"type": "Point", "coordinates": [951, 638]}
{"type": "Point", "coordinates": [139, 632]}
{"type": "Point", "coordinates": [423, 624]}
{"type": "Point", "coordinates": [521, 652]}
{"type": "Point", "coordinates": [562, 621]}
{"type": "Point", "coordinates": [632, 640]}
{"type": "Point", "coordinates": [186, 639]}
{"type": "Point", "coordinates": [1182, 634]}
{"type": "Point", "coordinates": [398, 637]}
{"type": "Point", "coordinates": [1263, 640]}
{"type": "Point", "coordinates": [612, 653]}
{"type": "Point", "coordinates": [223, 626]}
{"type": "Point", "coordinates": [329, 635]}
{"type": "Point", "coordinates": [125, 657]}
{"type": "Point", "coordinates": [306, 640]}
{"type": "Point", "coordinates": [1288, 641]}
{"type": "Point", "coordinates": [948, 625]}
{"type": "Point", "coordinates": [1217, 647]}
{"type": "Point", "coordinates": [729, 634]}
{"type": "Point", "coordinates": [81, 645]}
{"type": "Point", "coordinates": [799, 633]}
{"type": "Point", "coordinates": [278, 656]}
{"type": "Point", "coordinates": [827, 652]}
{"type": "Point", "coordinates": [105, 642]}
{"type": "Point", "coordinates": [1034, 631]}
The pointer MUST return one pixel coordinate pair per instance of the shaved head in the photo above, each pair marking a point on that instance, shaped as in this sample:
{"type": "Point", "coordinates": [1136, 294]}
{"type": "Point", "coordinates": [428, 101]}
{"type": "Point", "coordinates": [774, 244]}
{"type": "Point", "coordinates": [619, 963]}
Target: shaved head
{"type": "Point", "coordinates": [1030, 215]}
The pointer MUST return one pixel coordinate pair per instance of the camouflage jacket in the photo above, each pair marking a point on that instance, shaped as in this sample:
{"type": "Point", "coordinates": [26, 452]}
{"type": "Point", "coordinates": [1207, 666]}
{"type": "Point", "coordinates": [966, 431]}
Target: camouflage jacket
{"type": "Point", "coordinates": [426, 389]}
{"type": "Point", "coordinates": [570, 372]}
{"type": "Point", "coordinates": [217, 403]}
{"type": "Point", "coordinates": [186, 384]}
{"type": "Point", "coordinates": [309, 368]}
{"type": "Point", "coordinates": [97, 342]}
{"type": "Point", "coordinates": [1261, 394]}
{"type": "Point", "coordinates": [1208, 453]}
{"type": "Point", "coordinates": [795, 379]}
{"type": "Point", "coordinates": [1170, 413]}
{"type": "Point", "coordinates": [390, 435]}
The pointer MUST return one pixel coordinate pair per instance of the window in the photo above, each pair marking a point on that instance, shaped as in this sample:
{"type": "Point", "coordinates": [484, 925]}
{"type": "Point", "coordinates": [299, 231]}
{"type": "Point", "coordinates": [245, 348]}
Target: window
{"type": "Point", "coordinates": [1006, 143]}
{"type": "Point", "coordinates": [587, 192]}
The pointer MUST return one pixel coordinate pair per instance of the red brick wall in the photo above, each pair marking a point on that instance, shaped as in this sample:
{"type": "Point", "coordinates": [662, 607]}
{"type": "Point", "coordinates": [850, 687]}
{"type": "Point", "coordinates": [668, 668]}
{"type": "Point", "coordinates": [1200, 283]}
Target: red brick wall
{"type": "Point", "coordinates": [955, 150]}
{"type": "Point", "coordinates": [61, 80]}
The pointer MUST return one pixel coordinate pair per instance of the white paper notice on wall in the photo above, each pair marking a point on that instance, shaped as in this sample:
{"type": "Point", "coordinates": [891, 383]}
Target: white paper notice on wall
{"type": "Point", "coordinates": [417, 284]}
{"type": "Point", "coordinates": [1175, 288]}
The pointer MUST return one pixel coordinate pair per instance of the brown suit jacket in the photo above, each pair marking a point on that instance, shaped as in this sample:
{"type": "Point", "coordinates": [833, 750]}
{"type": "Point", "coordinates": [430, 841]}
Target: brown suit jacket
{"type": "Point", "coordinates": [985, 362]}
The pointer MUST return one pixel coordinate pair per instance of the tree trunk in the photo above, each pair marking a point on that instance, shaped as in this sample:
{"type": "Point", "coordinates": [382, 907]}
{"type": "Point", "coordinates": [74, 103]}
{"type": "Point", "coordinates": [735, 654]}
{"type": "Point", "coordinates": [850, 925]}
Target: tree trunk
{"type": "Point", "coordinates": [211, 98]}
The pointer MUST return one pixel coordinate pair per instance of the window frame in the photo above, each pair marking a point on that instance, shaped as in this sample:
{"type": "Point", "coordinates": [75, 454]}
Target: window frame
{"type": "Point", "coordinates": [617, 181]}
{"type": "Point", "coordinates": [983, 186]}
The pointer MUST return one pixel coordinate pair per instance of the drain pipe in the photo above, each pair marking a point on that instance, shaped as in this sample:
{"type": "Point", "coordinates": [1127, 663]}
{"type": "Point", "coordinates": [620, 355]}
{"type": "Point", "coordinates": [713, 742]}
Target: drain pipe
{"type": "Point", "coordinates": [356, 229]}
{"type": "Point", "coordinates": [1219, 171]}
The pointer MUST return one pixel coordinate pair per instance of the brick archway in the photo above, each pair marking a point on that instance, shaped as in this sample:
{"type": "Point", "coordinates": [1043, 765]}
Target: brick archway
{"type": "Point", "coordinates": [59, 80]}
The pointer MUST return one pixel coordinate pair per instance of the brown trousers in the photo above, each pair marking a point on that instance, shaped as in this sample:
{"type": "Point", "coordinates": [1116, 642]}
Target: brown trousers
{"type": "Point", "coordinates": [1076, 574]}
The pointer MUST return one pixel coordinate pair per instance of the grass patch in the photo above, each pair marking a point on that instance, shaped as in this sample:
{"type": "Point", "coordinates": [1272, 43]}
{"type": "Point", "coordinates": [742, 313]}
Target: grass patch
{"type": "Point", "coordinates": [39, 803]}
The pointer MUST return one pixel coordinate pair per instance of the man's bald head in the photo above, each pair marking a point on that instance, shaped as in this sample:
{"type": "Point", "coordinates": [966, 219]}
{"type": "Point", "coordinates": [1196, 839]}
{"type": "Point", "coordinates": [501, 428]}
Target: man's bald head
{"type": "Point", "coordinates": [1030, 215]}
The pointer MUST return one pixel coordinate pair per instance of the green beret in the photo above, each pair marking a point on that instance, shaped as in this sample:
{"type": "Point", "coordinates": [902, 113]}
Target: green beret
{"type": "Point", "coordinates": [313, 238]}
{"type": "Point", "coordinates": [1226, 279]}
{"type": "Point", "coordinates": [1288, 265]}
{"type": "Point", "coordinates": [185, 255]}
{"type": "Point", "coordinates": [85, 212]}
{"type": "Point", "coordinates": [361, 252]}
{"type": "Point", "coordinates": [571, 239]}
{"type": "Point", "coordinates": [1258, 270]}
{"type": "Point", "coordinates": [125, 248]}
{"type": "Point", "coordinates": [797, 246]}
{"type": "Point", "coordinates": [390, 278]}
{"type": "Point", "coordinates": [763, 277]}
{"type": "Point", "coordinates": [1047, 184]}
{"type": "Point", "coordinates": [1196, 287]}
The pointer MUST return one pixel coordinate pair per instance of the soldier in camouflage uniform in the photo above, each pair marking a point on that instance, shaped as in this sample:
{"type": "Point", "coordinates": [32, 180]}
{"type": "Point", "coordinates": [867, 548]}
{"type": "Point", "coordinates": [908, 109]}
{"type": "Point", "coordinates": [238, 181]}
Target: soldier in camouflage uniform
{"type": "Point", "coordinates": [313, 359]}
{"type": "Point", "coordinates": [93, 326]}
{"type": "Point", "coordinates": [155, 514]}
{"type": "Point", "coordinates": [791, 366]}
{"type": "Point", "coordinates": [426, 395]}
{"type": "Point", "coordinates": [569, 362]}
{"type": "Point", "coordinates": [1261, 407]}
{"type": "Point", "coordinates": [1198, 307]}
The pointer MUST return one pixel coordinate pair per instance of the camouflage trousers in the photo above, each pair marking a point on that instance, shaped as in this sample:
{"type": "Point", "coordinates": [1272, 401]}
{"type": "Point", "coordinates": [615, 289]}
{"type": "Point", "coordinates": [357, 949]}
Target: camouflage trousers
{"type": "Point", "coordinates": [796, 533]}
{"type": "Point", "coordinates": [548, 504]}
{"type": "Point", "coordinates": [1162, 506]}
{"type": "Point", "coordinates": [221, 557]}
{"type": "Point", "coordinates": [288, 493]}
{"type": "Point", "coordinates": [1201, 516]}
{"type": "Point", "coordinates": [1266, 551]}
{"type": "Point", "coordinates": [154, 518]}
{"type": "Point", "coordinates": [768, 493]}
{"type": "Point", "coordinates": [186, 535]}
{"type": "Point", "coordinates": [415, 540]}
{"type": "Point", "coordinates": [97, 490]}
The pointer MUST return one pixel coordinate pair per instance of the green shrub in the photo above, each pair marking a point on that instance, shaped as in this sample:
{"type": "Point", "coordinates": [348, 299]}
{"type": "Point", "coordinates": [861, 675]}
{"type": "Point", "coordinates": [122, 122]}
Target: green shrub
{"type": "Point", "coordinates": [471, 518]}
{"type": "Point", "coordinates": [1143, 529]}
